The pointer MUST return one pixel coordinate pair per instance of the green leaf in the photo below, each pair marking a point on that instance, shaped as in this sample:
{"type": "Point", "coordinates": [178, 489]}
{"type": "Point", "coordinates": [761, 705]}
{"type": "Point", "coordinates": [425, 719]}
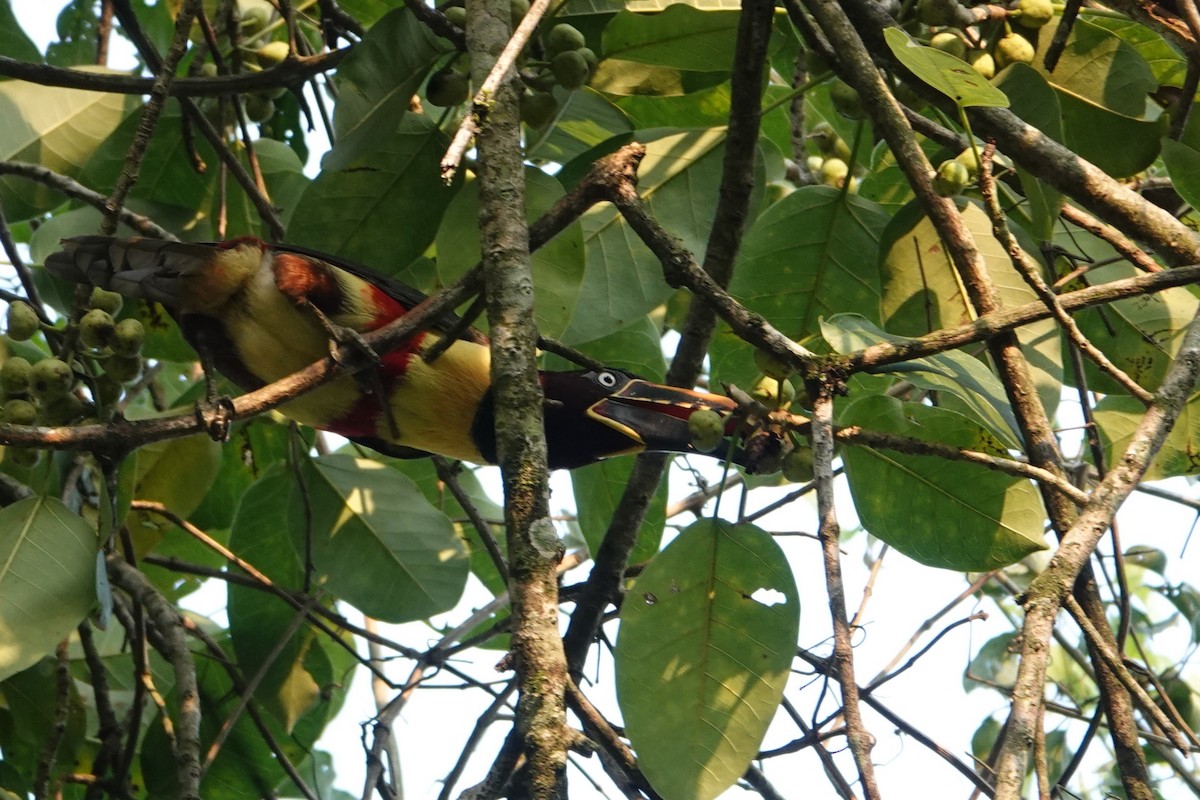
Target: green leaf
{"type": "Point", "coordinates": [707, 636]}
{"type": "Point", "coordinates": [1140, 335]}
{"type": "Point", "coordinates": [14, 42]}
{"type": "Point", "coordinates": [955, 372]}
{"type": "Point", "coordinates": [1183, 166]}
{"type": "Point", "coordinates": [598, 488]}
{"type": "Point", "coordinates": [1166, 64]}
{"type": "Point", "coordinates": [377, 543]}
{"type": "Point", "coordinates": [1098, 67]}
{"type": "Point", "coordinates": [56, 128]}
{"type": "Point", "coordinates": [922, 292]}
{"type": "Point", "coordinates": [261, 626]}
{"type": "Point", "coordinates": [1035, 102]}
{"type": "Point", "coordinates": [994, 666]}
{"type": "Point", "coordinates": [623, 280]}
{"type": "Point", "coordinates": [176, 473]}
{"type": "Point", "coordinates": [1117, 418]}
{"type": "Point", "coordinates": [286, 182]}
{"type": "Point", "coordinates": [585, 120]}
{"type": "Point", "coordinates": [679, 37]}
{"type": "Point", "coordinates": [355, 209]}
{"type": "Point", "coordinates": [47, 578]}
{"type": "Point", "coordinates": [970, 518]}
{"type": "Point", "coordinates": [558, 266]}
{"type": "Point", "coordinates": [376, 82]}
{"type": "Point", "coordinates": [951, 76]}
{"type": "Point", "coordinates": [1090, 131]}
{"type": "Point", "coordinates": [813, 253]}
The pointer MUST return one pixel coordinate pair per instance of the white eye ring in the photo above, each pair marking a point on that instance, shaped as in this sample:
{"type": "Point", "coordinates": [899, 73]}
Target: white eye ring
{"type": "Point", "coordinates": [606, 379]}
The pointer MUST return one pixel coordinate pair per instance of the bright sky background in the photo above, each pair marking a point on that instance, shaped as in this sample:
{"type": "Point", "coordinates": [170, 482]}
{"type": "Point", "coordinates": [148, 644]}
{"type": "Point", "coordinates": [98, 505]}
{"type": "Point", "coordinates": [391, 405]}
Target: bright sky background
{"type": "Point", "coordinates": [436, 722]}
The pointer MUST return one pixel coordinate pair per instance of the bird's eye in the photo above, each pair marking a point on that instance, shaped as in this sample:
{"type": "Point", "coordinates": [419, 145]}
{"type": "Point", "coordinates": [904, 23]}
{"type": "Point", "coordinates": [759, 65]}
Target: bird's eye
{"type": "Point", "coordinates": [606, 379]}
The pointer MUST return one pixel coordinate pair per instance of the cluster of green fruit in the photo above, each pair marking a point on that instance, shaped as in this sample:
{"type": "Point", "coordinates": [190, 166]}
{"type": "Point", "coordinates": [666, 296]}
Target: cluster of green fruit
{"type": "Point", "coordinates": [831, 166]}
{"type": "Point", "coordinates": [44, 392]}
{"type": "Point", "coordinates": [258, 52]}
{"type": "Point", "coordinates": [774, 391]}
{"type": "Point", "coordinates": [565, 61]}
{"type": "Point", "coordinates": [987, 57]}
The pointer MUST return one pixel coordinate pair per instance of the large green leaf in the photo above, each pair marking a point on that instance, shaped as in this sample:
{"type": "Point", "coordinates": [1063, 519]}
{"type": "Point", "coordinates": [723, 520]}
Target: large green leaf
{"type": "Point", "coordinates": [1034, 101]}
{"type": "Point", "coordinates": [376, 83]}
{"type": "Point", "coordinates": [1168, 66]}
{"type": "Point", "coordinates": [384, 209]}
{"type": "Point", "coordinates": [623, 280]}
{"type": "Point", "coordinates": [598, 488]}
{"type": "Point", "coordinates": [262, 627]}
{"type": "Point", "coordinates": [1183, 166]}
{"type": "Point", "coordinates": [1103, 85]}
{"type": "Point", "coordinates": [948, 74]}
{"type": "Point", "coordinates": [47, 578]}
{"type": "Point", "coordinates": [14, 43]}
{"type": "Point", "coordinates": [1097, 66]}
{"type": "Point", "coordinates": [377, 543]}
{"type": "Point", "coordinates": [680, 37]}
{"type": "Point", "coordinates": [176, 473]}
{"type": "Point", "coordinates": [941, 512]}
{"type": "Point", "coordinates": [964, 376]}
{"type": "Point", "coordinates": [558, 266]}
{"type": "Point", "coordinates": [585, 119]}
{"type": "Point", "coordinates": [283, 174]}
{"type": "Point", "coordinates": [57, 128]}
{"type": "Point", "coordinates": [922, 292]}
{"type": "Point", "coordinates": [1117, 419]}
{"type": "Point", "coordinates": [707, 636]}
{"type": "Point", "coordinates": [813, 253]}
{"type": "Point", "coordinates": [1140, 335]}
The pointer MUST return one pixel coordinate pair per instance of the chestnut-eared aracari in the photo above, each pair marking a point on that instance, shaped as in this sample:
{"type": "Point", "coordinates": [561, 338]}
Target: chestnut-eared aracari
{"type": "Point", "coordinates": [262, 311]}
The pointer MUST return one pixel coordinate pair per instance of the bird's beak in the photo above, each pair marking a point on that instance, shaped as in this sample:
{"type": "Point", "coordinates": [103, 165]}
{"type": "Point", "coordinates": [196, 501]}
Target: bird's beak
{"type": "Point", "coordinates": [655, 417]}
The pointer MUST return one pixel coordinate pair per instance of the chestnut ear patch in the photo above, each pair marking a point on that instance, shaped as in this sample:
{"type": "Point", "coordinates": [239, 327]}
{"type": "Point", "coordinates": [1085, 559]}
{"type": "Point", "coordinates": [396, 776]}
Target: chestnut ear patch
{"type": "Point", "coordinates": [302, 279]}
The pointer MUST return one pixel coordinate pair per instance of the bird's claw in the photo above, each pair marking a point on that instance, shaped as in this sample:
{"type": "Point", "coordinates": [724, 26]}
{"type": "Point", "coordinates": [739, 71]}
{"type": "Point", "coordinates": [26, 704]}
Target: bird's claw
{"type": "Point", "coordinates": [216, 415]}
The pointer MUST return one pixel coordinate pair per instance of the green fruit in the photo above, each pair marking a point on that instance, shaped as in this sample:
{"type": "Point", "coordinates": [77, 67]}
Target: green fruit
{"type": "Point", "coordinates": [207, 70]}
{"type": "Point", "coordinates": [773, 393]}
{"type": "Point", "coordinates": [106, 300]}
{"type": "Point", "coordinates": [707, 429]}
{"type": "Point", "coordinates": [798, 465]}
{"type": "Point", "coordinates": [23, 321]}
{"type": "Point", "coordinates": [589, 56]}
{"type": "Point", "coordinates": [983, 63]}
{"type": "Point", "coordinates": [259, 107]}
{"type": "Point", "coordinates": [1034, 13]}
{"type": "Point", "coordinates": [27, 457]}
{"type": "Point", "coordinates": [106, 391]}
{"type": "Point", "coordinates": [570, 69]}
{"type": "Point", "coordinates": [937, 12]}
{"type": "Point", "coordinates": [52, 377]}
{"type": "Point", "coordinates": [456, 16]}
{"type": "Point", "coordinates": [538, 108]}
{"type": "Point", "coordinates": [771, 366]}
{"type": "Point", "coordinates": [61, 410]}
{"type": "Point", "coordinates": [950, 43]}
{"type": "Point", "coordinates": [15, 376]}
{"type": "Point", "coordinates": [273, 53]}
{"type": "Point", "coordinates": [814, 164]}
{"type": "Point", "coordinates": [122, 369]}
{"type": "Point", "coordinates": [254, 19]}
{"type": "Point", "coordinates": [20, 412]}
{"type": "Point", "coordinates": [518, 9]}
{"type": "Point", "coordinates": [563, 37]}
{"type": "Point", "coordinates": [128, 338]}
{"type": "Point", "coordinates": [96, 329]}
{"type": "Point", "coordinates": [834, 172]}
{"type": "Point", "coordinates": [846, 100]}
{"type": "Point", "coordinates": [951, 178]}
{"type": "Point", "coordinates": [447, 88]}
{"type": "Point", "coordinates": [1014, 49]}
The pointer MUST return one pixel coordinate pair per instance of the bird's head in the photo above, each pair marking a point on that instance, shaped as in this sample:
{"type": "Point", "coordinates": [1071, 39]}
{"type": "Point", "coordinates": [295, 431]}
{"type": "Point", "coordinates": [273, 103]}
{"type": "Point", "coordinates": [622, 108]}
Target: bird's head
{"type": "Point", "coordinates": [595, 414]}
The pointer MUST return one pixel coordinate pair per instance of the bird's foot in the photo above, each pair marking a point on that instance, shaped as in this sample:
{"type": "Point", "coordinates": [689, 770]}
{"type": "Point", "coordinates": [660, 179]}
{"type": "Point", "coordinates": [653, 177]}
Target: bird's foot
{"type": "Point", "coordinates": [344, 342]}
{"type": "Point", "coordinates": [216, 415]}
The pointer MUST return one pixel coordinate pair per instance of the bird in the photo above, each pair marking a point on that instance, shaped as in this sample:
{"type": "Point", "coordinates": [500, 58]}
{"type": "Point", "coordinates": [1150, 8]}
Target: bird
{"type": "Point", "coordinates": [259, 311]}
